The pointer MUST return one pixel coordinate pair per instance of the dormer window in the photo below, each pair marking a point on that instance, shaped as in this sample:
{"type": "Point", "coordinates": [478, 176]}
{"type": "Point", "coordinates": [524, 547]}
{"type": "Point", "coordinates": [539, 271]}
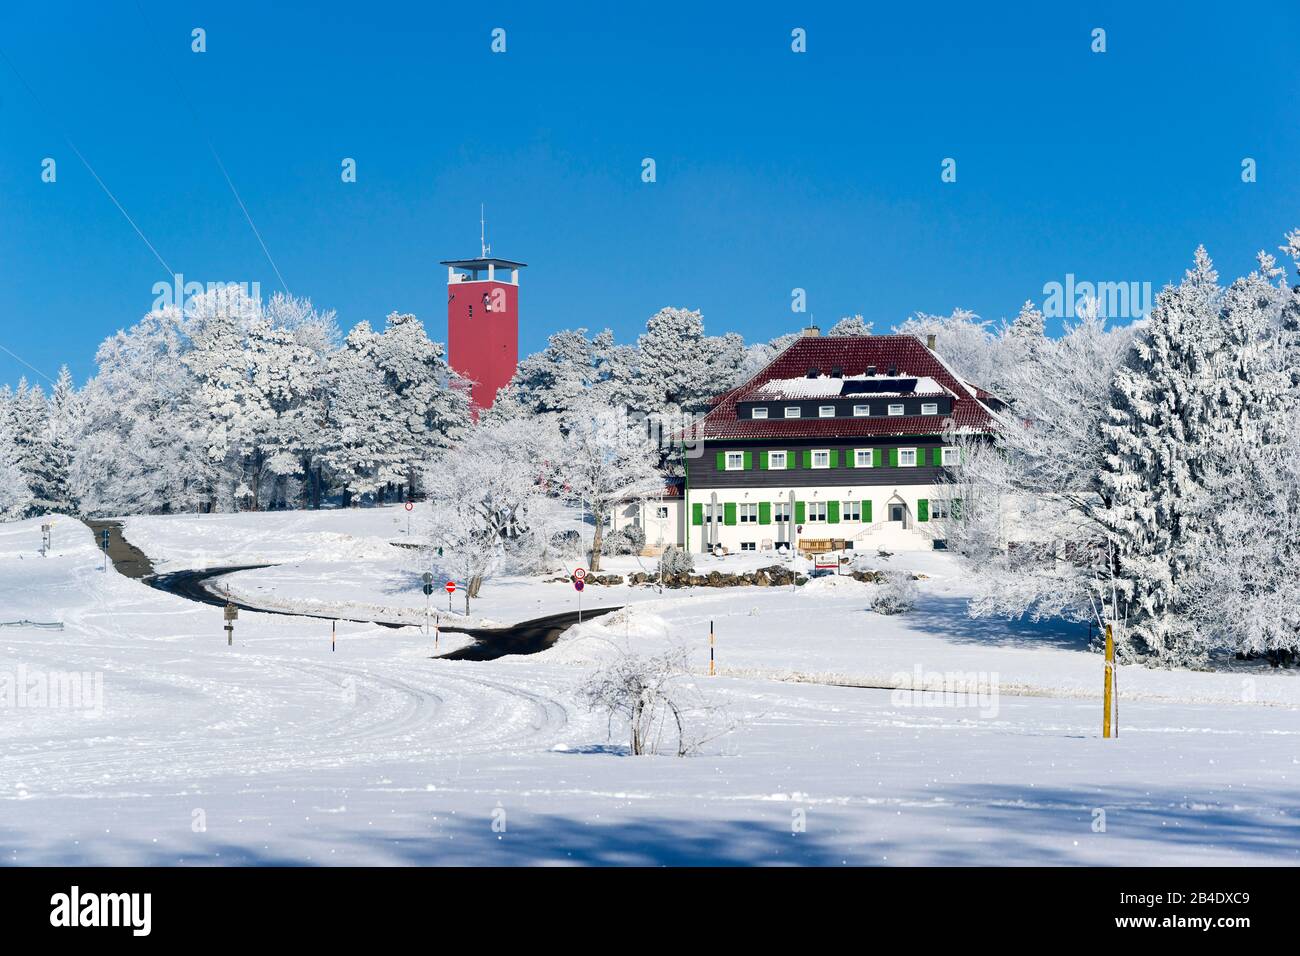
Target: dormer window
{"type": "Point", "coordinates": [871, 370]}
{"type": "Point", "coordinates": [893, 371]}
{"type": "Point", "coordinates": [896, 409]}
{"type": "Point", "coordinates": [825, 411]}
{"type": "Point", "coordinates": [759, 411]}
{"type": "Point", "coordinates": [929, 408]}
{"type": "Point", "coordinates": [837, 371]}
{"type": "Point", "coordinates": [792, 411]}
{"type": "Point", "coordinates": [861, 411]}
{"type": "Point", "coordinates": [813, 372]}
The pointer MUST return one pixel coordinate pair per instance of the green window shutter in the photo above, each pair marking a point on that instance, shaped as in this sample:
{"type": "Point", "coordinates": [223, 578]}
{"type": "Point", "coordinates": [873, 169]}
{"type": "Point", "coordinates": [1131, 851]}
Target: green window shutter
{"type": "Point", "coordinates": [937, 457]}
{"type": "Point", "coordinates": [765, 512]}
{"type": "Point", "coordinates": [835, 458]}
{"type": "Point", "coordinates": [722, 461]}
{"type": "Point", "coordinates": [697, 513]}
{"type": "Point", "coordinates": [792, 459]}
{"type": "Point", "coordinates": [956, 508]}
{"type": "Point", "coordinates": [762, 461]}
{"type": "Point", "coordinates": [799, 512]}
{"type": "Point", "coordinates": [923, 510]}
{"type": "Point", "coordinates": [893, 458]}
{"type": "Point", "coordinates": [833, 512]}
{"type": "Point", "coordinates": [749, 460]}
{"type": "Point", "coordinates": [807, 458]}
{"type": "Point", "coordinates": [729, 512]}
{"type": "Point", "coordinates": [866, 511]}
{"type": "Point", "coordinates": [877, 457]}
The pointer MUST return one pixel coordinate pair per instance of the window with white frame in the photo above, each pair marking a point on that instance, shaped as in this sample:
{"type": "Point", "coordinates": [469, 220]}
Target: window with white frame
{"type": "Point", "coordinates": [661, 511]}
{"type": "Point", "coordinates": [792, 411]}
{"type": "Point", "coordinates": [748, 514]}
{"type": "Point", "coordinates": [851, 510]}
{"type": "Point", "coordinates": [938, 509]}
{"type": "Point", "coordinates": [907, 457]}
{"type": "Point", "coordinates": [863, 458]}
{"type": "Point", "coordinates": [896, 409]}
{"type": "Point", "coordinates": [816, 511]}
{"type": "Point", "coordinates": [712, 514]}
{"type": "Point", "coordinates": [759, 412]}
{"type": "Point", "coordinates": [748, 546]}
{"type": "Point", "coordinates": [861, 411]}
{"type": "Point", "coordinates": [781, 511]}
{"type": "Point", "coordinates": [821, 458]}
{"type": "Point", "coordinates": [825, 411]}
{"type": "Point", "coordinates": [929, 408]}
{"type": "Point", "coordinates": [776, 460]}
{"type": "Point", "coordinates": [952, 456]}
{"type": "Point", "coordinates": [735, 461]}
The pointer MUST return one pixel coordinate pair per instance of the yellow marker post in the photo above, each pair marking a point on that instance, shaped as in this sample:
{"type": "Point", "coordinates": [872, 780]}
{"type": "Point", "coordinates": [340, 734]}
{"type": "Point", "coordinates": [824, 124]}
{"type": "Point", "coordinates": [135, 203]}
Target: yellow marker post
{"type": "Point", "coordinates": [1110, 683]}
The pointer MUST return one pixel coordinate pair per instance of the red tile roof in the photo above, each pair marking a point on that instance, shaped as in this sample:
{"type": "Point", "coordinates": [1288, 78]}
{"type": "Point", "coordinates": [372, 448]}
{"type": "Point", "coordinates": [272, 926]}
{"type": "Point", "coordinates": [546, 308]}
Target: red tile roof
{"type": "Point", "coordinates": [852, 354]}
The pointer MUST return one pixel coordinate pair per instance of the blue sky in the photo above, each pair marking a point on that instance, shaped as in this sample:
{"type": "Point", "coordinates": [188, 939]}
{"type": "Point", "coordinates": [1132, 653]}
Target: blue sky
{"type": "Point", "coordinates": [775, 170]}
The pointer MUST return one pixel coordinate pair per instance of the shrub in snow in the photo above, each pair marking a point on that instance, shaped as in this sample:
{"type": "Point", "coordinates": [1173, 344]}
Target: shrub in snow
{"type": "Point", "coordinates": [675, 561]}
{"type": "Point", "coordinates": [629, 540]}
{"type": "Point", "coordinates": [656, 696]}
{"type": "Point", "coordinates": [896, 594]}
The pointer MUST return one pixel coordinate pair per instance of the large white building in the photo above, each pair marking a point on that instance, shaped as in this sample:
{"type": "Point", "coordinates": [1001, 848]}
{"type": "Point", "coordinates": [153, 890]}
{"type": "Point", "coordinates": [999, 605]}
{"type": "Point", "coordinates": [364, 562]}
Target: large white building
{"type": "Point", "coordinates": [837, 444]}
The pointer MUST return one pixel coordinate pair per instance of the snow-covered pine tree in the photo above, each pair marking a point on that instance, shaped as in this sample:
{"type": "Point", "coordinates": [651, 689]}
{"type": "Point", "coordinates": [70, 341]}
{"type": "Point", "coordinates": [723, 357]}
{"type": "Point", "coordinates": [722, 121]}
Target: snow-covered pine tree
{"type": "Point", "coordinates": [1158, 467]}
{"type": "Point", "coordinates": [35, 454]}
{"type": "Point", "coordinates": [65, 430]}
{"type": "Point", "coordinates": [364, 440]}
{"type": "Point", "coordinates": [1246, 591]}
{"type": "Point", "coordinates": [15, 495]}
{"type": "Point", "coordinates": [430, 409]}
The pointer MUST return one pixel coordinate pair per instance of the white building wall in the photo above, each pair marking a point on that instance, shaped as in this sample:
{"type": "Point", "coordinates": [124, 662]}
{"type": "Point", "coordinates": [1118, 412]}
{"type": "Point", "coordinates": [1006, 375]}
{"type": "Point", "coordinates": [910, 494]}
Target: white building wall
{"type": "Point", "coordinates": [909, 534]}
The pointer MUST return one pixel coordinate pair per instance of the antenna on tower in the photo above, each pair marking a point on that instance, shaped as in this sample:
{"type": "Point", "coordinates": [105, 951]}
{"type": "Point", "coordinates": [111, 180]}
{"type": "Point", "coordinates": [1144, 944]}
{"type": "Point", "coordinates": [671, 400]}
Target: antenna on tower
{"type": "Point", "coordinates": [482, 233]}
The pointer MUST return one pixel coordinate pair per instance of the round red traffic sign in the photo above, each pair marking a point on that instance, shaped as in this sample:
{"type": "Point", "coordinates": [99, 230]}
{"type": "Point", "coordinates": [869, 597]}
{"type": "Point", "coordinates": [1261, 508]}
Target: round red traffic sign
{"type": "Point", "coordinates": [450, 587]}
{"type": "Point", "coordinates": [410, 505]}
{"type": "Point", "coordinates": [579, 573]}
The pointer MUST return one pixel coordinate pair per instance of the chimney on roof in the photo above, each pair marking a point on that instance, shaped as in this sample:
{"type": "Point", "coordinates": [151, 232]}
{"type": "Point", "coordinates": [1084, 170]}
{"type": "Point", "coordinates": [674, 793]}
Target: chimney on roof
{"type": "Point", "coordinates": [929, 341]}
{"type": "Point", "coordinates": [811, 331]}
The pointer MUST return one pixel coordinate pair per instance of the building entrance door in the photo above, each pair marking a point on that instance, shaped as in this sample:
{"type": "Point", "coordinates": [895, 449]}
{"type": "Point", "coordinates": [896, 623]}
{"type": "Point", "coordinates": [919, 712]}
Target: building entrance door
{"type": "Point", "coordinates": [895, 512]}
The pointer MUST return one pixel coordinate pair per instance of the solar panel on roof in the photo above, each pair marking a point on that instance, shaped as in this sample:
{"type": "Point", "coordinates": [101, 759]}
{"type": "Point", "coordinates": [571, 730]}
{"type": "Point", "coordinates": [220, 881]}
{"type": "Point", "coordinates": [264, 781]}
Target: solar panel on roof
{"type": "Point", "coordinates": [876, 386]}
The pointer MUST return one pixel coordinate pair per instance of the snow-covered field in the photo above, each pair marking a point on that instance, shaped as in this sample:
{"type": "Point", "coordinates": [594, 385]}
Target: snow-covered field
{"type": "Point", "coordinates": [278, 750]}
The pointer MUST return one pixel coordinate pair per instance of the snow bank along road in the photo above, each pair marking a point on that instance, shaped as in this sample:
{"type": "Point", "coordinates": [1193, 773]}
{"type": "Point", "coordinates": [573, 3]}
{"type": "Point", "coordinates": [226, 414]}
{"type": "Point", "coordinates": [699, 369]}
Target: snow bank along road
{"type": "Point", "coordinates": [277, 750]}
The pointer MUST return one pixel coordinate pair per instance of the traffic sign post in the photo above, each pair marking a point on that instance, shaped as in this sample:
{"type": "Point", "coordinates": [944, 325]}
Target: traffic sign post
{"type": "Point", "coordinates": [578, 585]}
{"type": "Point", "coordinates": [231, 614]}
{"type": "Point", "coordinates": [105, 543]}
{"type": "Point", "coordinates": [427, 578]}
{"type": "Point", "coordinates": [712, 672]}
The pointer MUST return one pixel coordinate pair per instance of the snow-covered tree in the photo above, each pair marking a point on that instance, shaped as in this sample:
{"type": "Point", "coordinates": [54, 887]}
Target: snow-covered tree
{"type": "Point", "coordinates": [30, 420]}
{"type": "Point", "coordinates": [142, 449]}
{"type": "Point", "coordinates": [964, 340]}
{"type": "Point", "coordinates": [1186, 376]}
{"type": "Point", "coordinates": [428, 403]}
{"type": "Point", "coordinates": [851, 325]}
{"type": "Point", "coordinates": [66, 427]}
{"type": "Point", "coordinates": [489, 497]}
{"type": "Point", "coordinates": [607, 456]}
{"type": "Point", "coordinates": [15, 495]}
{"type": "Point", "coordinates": [363, 442]}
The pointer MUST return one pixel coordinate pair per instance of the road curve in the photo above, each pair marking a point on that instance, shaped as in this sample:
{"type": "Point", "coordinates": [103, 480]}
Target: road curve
{"type": "Point", "coordinates": [526, 637]}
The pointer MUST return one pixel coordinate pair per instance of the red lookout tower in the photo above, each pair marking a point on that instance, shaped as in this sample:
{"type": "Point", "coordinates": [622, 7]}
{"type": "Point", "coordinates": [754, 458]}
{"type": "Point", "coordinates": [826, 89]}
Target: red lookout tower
{"type": "Point", "coordinates": [483, 323]}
